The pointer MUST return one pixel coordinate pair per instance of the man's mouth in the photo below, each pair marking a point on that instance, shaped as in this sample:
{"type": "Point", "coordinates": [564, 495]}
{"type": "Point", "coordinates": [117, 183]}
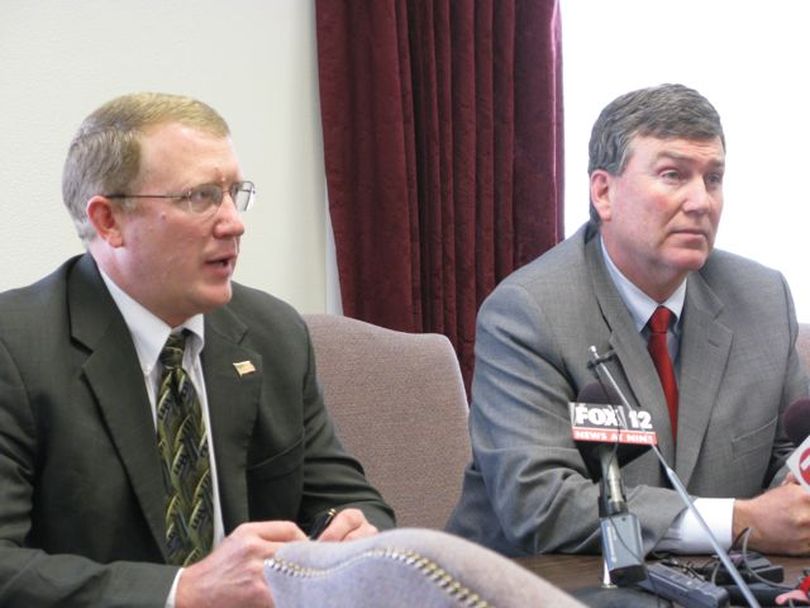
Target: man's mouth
{"type": "Point", "coordinates": [223, 261]}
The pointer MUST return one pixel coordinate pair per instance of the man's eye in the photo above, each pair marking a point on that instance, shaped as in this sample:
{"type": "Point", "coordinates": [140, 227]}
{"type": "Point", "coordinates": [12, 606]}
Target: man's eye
{"type": "Point", "coordinates": [204, 196]}
{"type": "Point", "coordinates": [715, 179]}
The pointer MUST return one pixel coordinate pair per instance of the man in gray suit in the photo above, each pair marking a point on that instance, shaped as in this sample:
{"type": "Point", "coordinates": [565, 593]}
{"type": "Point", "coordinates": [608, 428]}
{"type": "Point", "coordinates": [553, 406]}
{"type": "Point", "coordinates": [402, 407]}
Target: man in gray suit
{"type": "Point", "coordinates": [138, 474]}
{"type": "Point", "coordinates": [657, 158]}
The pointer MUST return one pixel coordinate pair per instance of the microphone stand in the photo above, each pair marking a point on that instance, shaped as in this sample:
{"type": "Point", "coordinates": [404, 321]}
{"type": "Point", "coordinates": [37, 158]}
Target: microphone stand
{"type": "Point", "coordinates": [622, 550]}
{"type": "Point", "coordinates": [603, 373]}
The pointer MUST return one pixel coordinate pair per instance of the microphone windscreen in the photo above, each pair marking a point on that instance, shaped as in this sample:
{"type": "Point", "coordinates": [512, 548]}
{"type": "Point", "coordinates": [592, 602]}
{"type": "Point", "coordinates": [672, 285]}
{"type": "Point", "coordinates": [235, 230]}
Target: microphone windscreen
{"type": "Point", "coordinates": [796, 420]}
{"type": "Point", "coordinates": [592, 452]}
{"type": "Point", "coordinates": [595, 393]}
{"type": "Point", "coordinates": [592, 393]}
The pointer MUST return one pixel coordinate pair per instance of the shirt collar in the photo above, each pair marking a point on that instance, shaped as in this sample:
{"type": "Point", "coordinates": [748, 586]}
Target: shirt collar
{"type": "Point", "coordinates": [149, 333]}
{"type": "Point", "coordinates": [640, 305]}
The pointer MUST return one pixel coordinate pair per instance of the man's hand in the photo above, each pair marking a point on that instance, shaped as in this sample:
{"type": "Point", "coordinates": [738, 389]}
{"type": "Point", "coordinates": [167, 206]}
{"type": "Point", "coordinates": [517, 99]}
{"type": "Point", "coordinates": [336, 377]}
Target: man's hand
{"type": "Point", "coordinates": [349, 524]}
{"type": "Point", "coordinates": [779, 520]}
{"type": "Point", "coordinates": [233, 573]}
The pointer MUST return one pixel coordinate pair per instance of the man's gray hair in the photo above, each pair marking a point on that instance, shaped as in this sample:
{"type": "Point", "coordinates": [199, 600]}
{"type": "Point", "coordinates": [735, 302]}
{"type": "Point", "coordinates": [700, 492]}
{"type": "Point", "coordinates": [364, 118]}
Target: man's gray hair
{"type": "Point", "coordinates": [667, 111]}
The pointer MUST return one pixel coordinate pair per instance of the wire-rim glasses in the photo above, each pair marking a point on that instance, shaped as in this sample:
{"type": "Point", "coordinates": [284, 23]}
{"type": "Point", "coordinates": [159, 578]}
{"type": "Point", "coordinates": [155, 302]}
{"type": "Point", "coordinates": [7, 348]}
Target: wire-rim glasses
{"type": "Point", "coordinates": [205, 197]}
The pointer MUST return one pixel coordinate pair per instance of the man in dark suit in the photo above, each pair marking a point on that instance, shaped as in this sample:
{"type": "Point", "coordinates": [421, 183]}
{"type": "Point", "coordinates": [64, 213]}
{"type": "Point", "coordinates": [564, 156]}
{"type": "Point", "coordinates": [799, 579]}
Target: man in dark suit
{"type": "Point", "coordinates": [127, 479]}
{"type": "Point", "coordinates": [657, 158]}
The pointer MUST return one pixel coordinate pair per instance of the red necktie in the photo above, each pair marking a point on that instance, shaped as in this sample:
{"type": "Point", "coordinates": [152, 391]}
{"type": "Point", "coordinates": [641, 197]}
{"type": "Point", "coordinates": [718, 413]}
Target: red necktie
{"type": "Point", "coordinates": [657, 345]}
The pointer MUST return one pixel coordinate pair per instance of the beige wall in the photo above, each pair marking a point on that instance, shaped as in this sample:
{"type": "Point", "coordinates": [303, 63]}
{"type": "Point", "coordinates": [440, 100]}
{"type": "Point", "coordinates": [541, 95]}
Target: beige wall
{"type": "Point", "coordinates": [253, 60]}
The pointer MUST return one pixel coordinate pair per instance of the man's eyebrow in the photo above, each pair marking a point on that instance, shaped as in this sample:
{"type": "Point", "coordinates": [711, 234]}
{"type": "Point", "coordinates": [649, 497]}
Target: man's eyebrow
{"type": "Point", "coordinates": [676, 156]}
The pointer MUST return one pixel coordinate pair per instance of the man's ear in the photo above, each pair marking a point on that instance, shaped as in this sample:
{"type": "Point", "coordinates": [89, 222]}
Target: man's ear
{"type": "Point", "coordinates": [105, 217]}
{"type": "Point", "coordinates": [601, 193]}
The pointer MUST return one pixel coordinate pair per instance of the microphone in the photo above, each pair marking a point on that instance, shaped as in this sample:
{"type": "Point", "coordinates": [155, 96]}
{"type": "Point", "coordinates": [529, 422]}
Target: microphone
{"type": "Point", "coordinates": [596, 427]}
{"type": "Point", "coordinates": [796, 421]}
{"type": "Point", "coordinates": [596, 420]}
{"type": "Point", "coordinates": [599, 367]}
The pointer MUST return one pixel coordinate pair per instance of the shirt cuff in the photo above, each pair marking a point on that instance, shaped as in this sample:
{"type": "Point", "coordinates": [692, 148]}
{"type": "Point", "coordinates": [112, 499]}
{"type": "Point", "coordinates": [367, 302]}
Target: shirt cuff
{"type": "Point", "coordinates": [686, 535]}
{"type": "Point", "coordinates": [173, 590]}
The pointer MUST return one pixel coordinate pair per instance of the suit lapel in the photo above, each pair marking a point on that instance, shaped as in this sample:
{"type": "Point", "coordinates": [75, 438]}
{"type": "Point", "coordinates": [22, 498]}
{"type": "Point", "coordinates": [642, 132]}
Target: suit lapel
{"type": "Point", "coordinates": [635, 372]}
{"type": "Point", "coordinates": [704, 350]}
{"type": "Point", "coordinates": [115, 378]}
{"type": "Point", "coordinates": [233, 396]}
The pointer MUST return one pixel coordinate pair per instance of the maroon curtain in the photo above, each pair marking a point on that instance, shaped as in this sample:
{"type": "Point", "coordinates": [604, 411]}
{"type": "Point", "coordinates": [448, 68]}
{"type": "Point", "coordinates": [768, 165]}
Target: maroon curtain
{"type": "Point", "coordinates": [442, 127]}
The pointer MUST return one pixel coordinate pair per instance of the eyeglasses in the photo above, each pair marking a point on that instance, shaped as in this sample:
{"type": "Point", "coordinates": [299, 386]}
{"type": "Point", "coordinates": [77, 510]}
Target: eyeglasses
{"type": "Point", "coordinates": [202, 199]}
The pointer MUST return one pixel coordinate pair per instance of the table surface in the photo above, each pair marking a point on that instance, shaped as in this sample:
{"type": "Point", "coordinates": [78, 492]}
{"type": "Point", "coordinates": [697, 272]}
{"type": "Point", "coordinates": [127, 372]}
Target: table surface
{"type": "Point", "coordinates": [575, 572]}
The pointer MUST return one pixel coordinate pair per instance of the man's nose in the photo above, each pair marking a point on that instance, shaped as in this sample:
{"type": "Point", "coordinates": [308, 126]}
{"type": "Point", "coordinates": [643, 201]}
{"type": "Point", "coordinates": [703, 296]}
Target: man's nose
{"type": "Point", "coordinates": [699, 198]}
{"type": "Point", "coordinates": [228, 219]}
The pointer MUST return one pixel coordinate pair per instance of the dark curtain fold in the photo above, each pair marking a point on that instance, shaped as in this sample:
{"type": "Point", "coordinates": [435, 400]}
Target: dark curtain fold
{"type": "Point", "coordinates": [442, 125]}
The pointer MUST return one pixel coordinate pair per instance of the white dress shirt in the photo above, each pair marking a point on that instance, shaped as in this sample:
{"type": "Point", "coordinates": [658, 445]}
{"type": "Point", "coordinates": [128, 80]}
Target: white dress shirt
{"type": "Point", "coordinates": [149, 334]}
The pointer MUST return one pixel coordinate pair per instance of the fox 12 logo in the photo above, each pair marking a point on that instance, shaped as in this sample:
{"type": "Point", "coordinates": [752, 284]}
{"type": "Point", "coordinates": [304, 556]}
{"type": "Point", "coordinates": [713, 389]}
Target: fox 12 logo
{"type": "Point", "coordinates": [611, 424]}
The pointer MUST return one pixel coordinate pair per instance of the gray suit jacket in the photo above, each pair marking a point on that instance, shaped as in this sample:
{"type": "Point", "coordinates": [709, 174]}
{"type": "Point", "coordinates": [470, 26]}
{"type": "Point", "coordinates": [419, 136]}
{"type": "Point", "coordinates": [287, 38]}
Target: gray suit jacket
{"type": "Point", "coordinates": [81, 491]}
{"type": "Point", "coordinates": [527, 491]}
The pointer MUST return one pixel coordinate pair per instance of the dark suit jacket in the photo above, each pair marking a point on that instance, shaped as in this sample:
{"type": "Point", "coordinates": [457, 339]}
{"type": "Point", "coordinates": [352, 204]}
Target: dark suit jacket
{"type": "Point", "coordinates": [81, 494]}
{"type": "Point", "coordinates": [527, 490]}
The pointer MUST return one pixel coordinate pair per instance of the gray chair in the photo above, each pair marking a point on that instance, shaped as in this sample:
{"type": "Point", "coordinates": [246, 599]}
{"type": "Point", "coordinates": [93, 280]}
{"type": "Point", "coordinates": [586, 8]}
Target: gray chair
{"type": "Point", "coordinates": [399, 406]}
{"type": "Point", "coordinates": [405, 568]}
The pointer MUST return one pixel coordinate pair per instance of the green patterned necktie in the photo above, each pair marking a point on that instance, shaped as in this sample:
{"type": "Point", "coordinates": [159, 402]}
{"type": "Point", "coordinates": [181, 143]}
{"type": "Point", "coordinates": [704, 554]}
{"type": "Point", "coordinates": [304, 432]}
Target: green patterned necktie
{"type": "Point", "coordinates": [183, 447]}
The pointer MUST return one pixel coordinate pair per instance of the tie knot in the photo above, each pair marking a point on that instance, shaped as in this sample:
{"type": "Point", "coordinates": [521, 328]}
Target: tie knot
{"type": "Point", "coordinates": [171, 357]}
{"type": "Point", "coordinates": [659, 321]}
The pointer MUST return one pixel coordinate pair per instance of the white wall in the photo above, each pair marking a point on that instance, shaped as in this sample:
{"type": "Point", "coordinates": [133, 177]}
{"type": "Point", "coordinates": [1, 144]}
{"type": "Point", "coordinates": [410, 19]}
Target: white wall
{"type": "Point", "coordinates": [253, 60]}
{"type": "Point", "coordinates": [748, 59]}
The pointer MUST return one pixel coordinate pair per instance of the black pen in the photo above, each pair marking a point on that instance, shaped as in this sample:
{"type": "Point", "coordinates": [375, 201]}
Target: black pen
{"type": "Point", "coordinates": [321, 523]}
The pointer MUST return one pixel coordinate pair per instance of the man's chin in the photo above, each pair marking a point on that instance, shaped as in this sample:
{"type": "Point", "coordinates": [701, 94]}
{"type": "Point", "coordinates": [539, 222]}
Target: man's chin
{"type": "Point", "coordinates": [692, 260]}
{"type": "Point", "coordinates": [212, 299]}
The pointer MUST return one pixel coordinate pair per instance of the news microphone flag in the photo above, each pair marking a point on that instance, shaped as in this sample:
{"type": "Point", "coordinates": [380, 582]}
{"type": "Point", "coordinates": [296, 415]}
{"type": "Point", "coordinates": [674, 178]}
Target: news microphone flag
{"type": "Point", "coordinates": [799, 464]}
{"type": "Point", "coordinates": [796, 421]}
{"type": "Point", "coordinates": [605, 423]}
{"type": "Point", "coordinates": [594, 421]}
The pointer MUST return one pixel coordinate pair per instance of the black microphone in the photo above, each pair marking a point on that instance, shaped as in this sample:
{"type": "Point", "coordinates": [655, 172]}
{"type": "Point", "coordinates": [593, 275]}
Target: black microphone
{"type": "Point", "coordinates": [595, 421]}
{"type": "Point", "coordinates": [796, 421]}
{"type": "Point", "coordinates": [593, 448]}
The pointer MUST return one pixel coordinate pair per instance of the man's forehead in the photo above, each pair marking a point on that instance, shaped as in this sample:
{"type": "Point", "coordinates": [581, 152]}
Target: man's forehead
{"type": "Point", "coordinates": [179, 151]}
{"type": "Point", "coordinates": [709, 150]}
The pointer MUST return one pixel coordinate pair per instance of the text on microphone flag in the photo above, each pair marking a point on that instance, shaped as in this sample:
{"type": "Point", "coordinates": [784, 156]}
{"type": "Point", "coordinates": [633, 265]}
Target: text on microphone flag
{"type": "Point", "coordinates": [611, 424]}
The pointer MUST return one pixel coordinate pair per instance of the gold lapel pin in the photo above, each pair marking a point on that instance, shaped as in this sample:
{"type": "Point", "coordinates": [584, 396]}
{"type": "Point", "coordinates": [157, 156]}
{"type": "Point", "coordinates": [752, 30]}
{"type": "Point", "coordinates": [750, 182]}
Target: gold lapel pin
{"type": "Point", "coordinates": [243, 368]}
